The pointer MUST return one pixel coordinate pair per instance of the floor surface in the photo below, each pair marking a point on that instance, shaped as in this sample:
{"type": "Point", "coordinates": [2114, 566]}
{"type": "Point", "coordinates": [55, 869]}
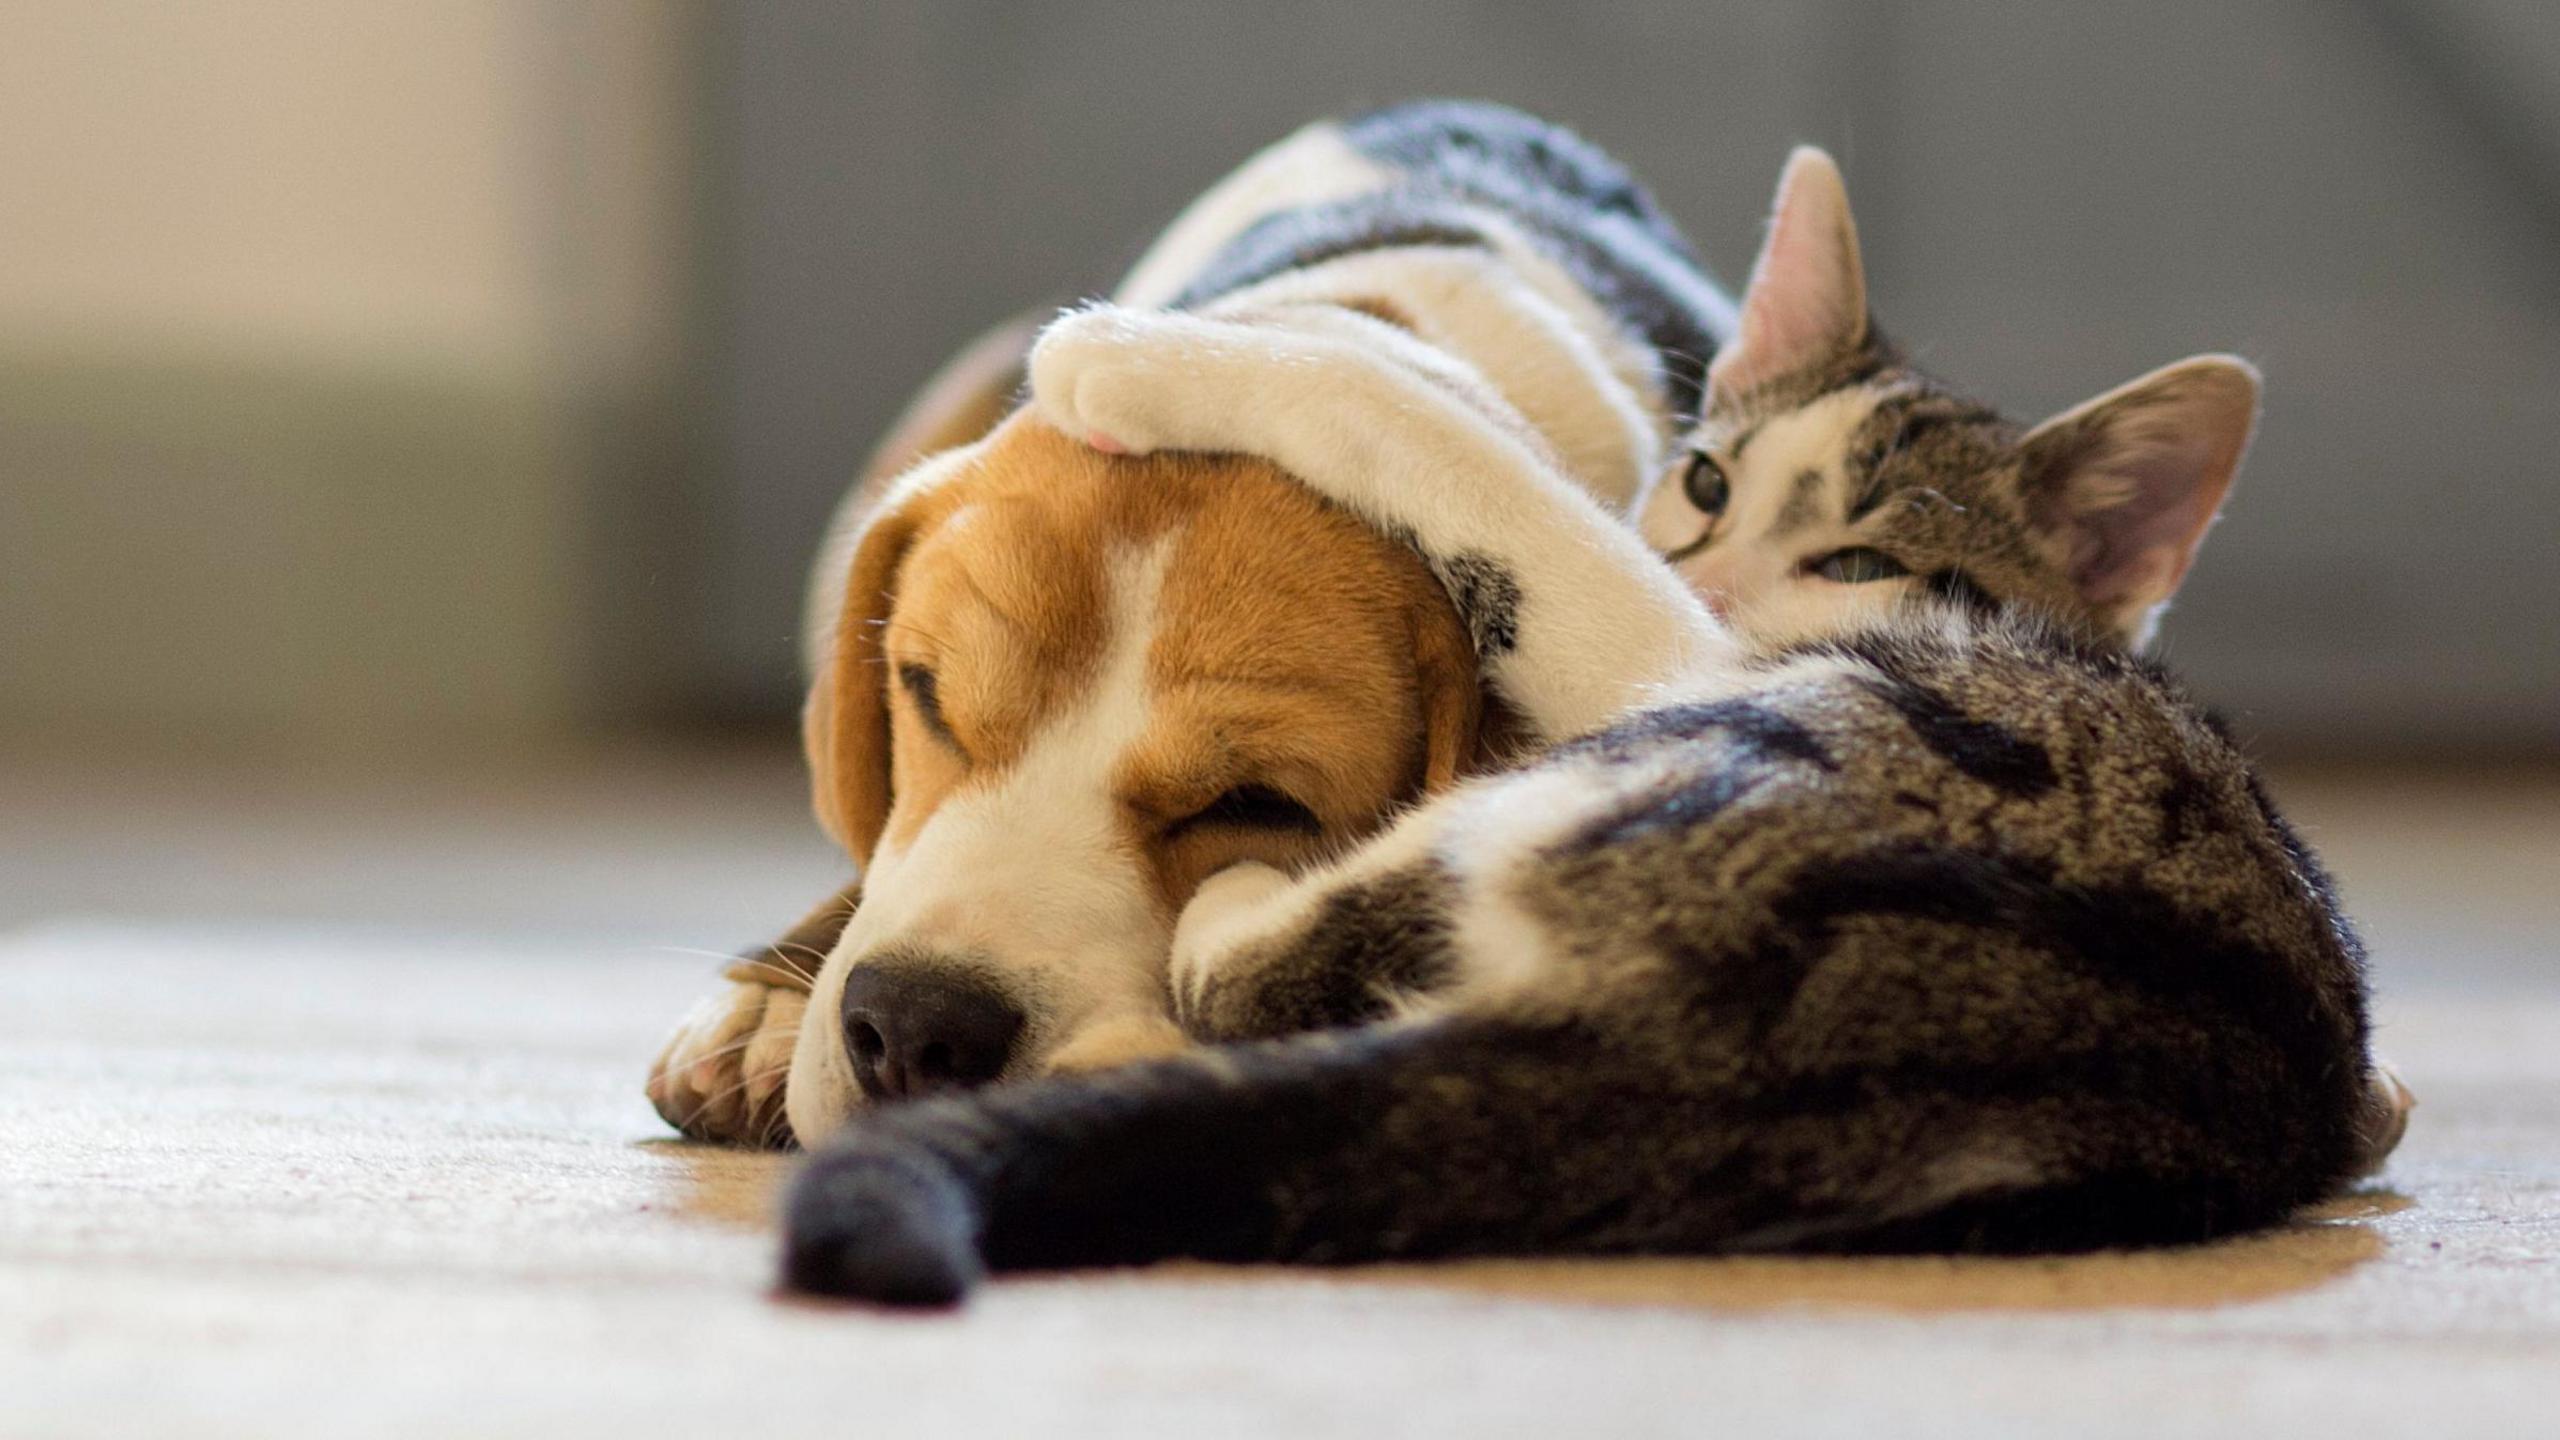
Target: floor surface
{"type": "Point", "coordinates": [320, 1115]}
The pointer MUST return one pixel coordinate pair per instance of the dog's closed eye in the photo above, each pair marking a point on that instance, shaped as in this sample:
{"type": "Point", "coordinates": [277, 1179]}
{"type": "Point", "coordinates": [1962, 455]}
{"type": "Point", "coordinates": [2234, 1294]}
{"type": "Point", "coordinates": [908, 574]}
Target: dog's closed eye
{"type": "Point", "coordinates": [926, 692]}
{"type": "Point", "coordinates": [1250, 807]}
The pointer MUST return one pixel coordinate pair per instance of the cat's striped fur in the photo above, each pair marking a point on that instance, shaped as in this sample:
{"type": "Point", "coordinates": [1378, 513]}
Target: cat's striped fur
{"type": "Point", "coordinates": [1928, 916]}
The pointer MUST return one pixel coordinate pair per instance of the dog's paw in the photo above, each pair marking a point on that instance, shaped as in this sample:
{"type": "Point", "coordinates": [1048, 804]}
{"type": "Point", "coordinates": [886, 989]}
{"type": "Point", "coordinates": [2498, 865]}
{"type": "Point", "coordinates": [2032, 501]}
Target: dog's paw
{"type": "Point", "coordinates": [881, 1224]}
{"type": "Point", "coordinates": [721, 1076]}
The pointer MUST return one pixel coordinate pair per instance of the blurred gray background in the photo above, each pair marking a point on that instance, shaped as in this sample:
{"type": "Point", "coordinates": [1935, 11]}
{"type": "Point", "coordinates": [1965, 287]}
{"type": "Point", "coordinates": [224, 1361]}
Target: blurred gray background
{"type": "Point", "coordinates": [378, 382]}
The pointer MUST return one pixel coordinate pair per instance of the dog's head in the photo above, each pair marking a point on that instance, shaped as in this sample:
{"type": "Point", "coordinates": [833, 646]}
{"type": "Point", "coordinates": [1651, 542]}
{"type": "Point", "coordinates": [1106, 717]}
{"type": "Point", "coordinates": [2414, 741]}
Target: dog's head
{"type": "Point", "coordinates": [1059, 690]}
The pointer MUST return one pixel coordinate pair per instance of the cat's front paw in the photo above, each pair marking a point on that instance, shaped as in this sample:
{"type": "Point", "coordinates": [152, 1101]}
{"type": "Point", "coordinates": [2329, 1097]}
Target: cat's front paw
{"type": "Point", "coordinates": [721, 1076]}
{"type": "Point", "coordinates": [2384, 1118]}
{"type": "Point", "coordinates": [1135, 382]}
{"type": "Point", "coordinates": [1227, 912]}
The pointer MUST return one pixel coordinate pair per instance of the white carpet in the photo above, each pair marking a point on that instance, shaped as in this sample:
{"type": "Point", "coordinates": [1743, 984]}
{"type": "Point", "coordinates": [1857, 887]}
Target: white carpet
{"type": "Point", "coordinates": [271, 1180]}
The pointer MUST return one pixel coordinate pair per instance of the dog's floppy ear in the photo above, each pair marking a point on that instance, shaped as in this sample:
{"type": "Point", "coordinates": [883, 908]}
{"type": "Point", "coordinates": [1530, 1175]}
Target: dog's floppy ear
{"type": "Point", "coordinates": [863, 547]}
{"type": "Point", "coordinates": [845, 726]}
{"type": "Point", "coordinates": [846, 718]}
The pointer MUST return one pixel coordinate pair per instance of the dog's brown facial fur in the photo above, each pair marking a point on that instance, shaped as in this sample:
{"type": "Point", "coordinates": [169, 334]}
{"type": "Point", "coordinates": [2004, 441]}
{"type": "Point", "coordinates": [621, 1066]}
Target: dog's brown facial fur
{"type": "Point", "coordinates": [1292, 649]}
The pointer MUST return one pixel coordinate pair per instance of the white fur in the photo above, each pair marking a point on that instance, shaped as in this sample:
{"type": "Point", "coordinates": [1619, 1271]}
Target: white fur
{"type": "Point", "coordinates": [1030, 875]}
{"type": "Point", "coordinates": [1495, 832]}
{"type": "Point", "coordinates": [1561, 370]}
{"type": "Point", "coordinates": [1228, 910]}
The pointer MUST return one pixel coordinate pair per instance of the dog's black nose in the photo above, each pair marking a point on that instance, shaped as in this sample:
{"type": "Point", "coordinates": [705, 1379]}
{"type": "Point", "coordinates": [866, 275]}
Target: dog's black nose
{"type": "Point", "coordinates": [911, 1030]}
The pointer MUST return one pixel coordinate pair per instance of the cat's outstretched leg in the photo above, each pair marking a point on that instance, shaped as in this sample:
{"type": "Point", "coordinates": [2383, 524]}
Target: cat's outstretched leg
{"type": "Point", "coordinates": [1426, 911]}
{"type": "Point", "coordinates": [1259, 954]}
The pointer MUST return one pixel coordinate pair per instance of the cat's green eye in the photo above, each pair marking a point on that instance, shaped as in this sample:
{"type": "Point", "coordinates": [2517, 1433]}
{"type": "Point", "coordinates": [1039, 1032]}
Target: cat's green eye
{"type": "Point", "coordinates": [1859, 564]}
{"type": "Point", "coordinates": [1705, 484]}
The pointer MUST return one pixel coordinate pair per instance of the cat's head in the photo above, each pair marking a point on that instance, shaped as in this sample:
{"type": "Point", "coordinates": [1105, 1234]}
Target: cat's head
{"type": "Point", "coordinates": [1829, 480]}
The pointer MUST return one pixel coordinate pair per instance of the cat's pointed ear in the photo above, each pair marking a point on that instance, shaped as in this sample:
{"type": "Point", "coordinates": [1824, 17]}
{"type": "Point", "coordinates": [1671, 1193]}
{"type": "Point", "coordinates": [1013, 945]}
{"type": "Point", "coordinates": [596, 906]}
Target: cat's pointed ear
{"type": "Point", "coordinates": [1807, 302]}
{"type": "Point", "coordinates": [2131, 480]}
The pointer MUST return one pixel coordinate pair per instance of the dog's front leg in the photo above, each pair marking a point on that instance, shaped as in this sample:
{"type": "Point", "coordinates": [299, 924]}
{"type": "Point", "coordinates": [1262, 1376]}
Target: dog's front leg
{"type": "Point", "coordinates": [721, 1076]}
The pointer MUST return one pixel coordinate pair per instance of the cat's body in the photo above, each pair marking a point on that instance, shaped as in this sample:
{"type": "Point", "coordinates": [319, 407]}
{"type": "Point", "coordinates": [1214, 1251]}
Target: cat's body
{"type": "Point", "coordinates": [1831, 964]}
{"type": "Point", "coordinates": [1950, 932]}
{"type": "Point", "coordinates": [1918, 914]}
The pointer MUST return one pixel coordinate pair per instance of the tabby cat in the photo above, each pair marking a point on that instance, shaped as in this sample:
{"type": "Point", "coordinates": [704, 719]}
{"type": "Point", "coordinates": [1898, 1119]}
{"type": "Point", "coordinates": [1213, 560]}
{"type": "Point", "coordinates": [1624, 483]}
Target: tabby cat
{"type": "Point", "coordinates": [1907, 908]}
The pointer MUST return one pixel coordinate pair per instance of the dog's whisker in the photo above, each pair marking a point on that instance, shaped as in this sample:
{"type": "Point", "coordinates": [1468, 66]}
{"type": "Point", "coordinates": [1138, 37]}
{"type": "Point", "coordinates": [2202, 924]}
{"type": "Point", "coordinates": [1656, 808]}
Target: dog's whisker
{"type": "Point", "coordinates": [691, 950]}
{"type": "Point", "coordinates": [791, 950]}
{"type": "Point", "coordinates": [784, 976]}
{"type": "Point", "coordinates": [719, 1052]}
{"type": "Point", "coordinates": [788, 976]}
{"type": "Point", "coordinates": [715, 1098]}
{"type": "Point", "coordinates": [776, 1127]}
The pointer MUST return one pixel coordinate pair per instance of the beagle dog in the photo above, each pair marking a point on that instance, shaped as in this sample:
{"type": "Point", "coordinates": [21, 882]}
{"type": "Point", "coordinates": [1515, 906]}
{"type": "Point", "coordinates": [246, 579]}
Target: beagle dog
{"type": "Point", "coordinates": [1054, 689]}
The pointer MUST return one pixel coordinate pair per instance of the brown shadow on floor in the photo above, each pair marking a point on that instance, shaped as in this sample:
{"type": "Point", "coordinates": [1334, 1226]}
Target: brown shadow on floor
{"type": "Point", "coordinates": [724, 1185]}
{"type": "Point", "coordinates": [2319, 1247]}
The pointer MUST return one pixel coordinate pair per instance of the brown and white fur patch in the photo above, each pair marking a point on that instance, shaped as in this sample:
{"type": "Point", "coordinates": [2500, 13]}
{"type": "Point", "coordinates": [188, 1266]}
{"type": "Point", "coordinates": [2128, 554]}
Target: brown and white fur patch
{"type": "Point", "coordinates": [1116, 645]}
